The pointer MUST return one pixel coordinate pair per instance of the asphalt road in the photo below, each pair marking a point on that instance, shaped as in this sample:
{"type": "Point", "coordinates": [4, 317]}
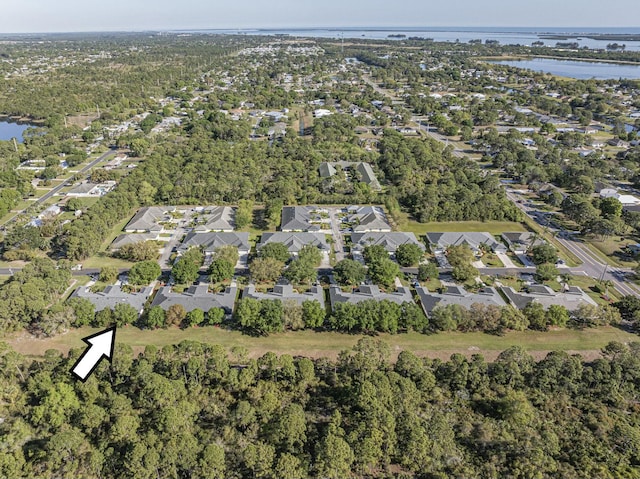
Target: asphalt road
{"type": "Point", "coordinates": [591, 265]}
{"type": "Point", "coordinates": [82, 173]}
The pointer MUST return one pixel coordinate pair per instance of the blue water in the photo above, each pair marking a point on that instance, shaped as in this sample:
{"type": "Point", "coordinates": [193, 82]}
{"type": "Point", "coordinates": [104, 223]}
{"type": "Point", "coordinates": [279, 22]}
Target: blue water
{"type": "Point", "coordinates": [577, 69]}
{"type": "Point", "coordinates": [10, 130]}
{"type": "Point", "coordinates": [505, 35]}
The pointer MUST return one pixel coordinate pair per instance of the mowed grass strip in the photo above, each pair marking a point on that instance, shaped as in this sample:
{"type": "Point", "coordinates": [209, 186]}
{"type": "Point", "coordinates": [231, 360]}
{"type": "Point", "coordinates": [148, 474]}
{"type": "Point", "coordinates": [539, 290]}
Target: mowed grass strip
{"type": "Point", "coordinates": [329, 344]}
{"type": "Point", "coordinates": [492, 227]}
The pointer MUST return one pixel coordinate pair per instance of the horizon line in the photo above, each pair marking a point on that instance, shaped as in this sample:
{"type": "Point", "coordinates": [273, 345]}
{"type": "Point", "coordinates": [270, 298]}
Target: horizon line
{"type": "Point", "coordinates": [534, 29]}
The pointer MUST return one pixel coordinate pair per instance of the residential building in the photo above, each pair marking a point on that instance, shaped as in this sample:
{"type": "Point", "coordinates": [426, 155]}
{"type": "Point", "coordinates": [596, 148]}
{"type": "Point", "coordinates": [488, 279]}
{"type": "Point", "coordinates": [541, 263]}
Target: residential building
{"type": "Point", "coordinates": [132, 238]}
{"type": "Point", "coordinates": [457, 295]}
{"type": "Point", "coordinates": [87, 189]}
{"type": "Point", "coordinates": [197, 296]}
{"type": "Point", "coordinates": [390, 241]}
{"type": "Point", "coordinates": [521, 242]}
{"type": "Point", "coordinates": [210, 242]}
{"type": "Point", "coordinates": [295, 241]}
{"type": "Point", "coordinates": [112, 296]}
{"type": "Point", "coordinates": [326, 170]}
{"type": "Point", "coordinates": [285, 292]}
{"type": "Point", "coordinates": [367, 219]}
{"type": "Point", "coordinates": [300, 218]}
{"type": "Point", "coordinates": [572, 298]}
{"type": "Point", "coordinates": [216, 218]}
{"type": "Point", "coordinates": [366, 292]}
{"type": "Point", "coordinates": [368, 176]}
{"type": "Point", "coordinates": [441, 241]}
{"type": "Point", "coordinates": [149, 219]}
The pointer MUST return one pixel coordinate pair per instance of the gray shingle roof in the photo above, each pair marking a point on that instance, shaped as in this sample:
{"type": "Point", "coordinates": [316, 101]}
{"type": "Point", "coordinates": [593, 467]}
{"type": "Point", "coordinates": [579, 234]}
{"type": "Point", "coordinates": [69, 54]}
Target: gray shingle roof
{"type": "Point", "coordinates": [146, 219]}
{"type": "Point", "coordinates": [212, 241]}
{"type": "Point", "coordinates": [298, 218]}
{"type": "Point", "coordinates": [197, 296]}
{"type": "Point", "coordinates": [285, 292]}
{"type": "Point", "coordinates": [294, 241]}
{"type": "Point", "coordinates": [457, 295]}
{"type": "Point", "coordinates": [521, 239]}
{"type": "Point", "coordinates": [132, 238]}
{"type": "Point", "coordinates": [368, 176]}
{"type": "Point", "coordinates": [366, 292]}
{"type": "Point", "coordinates": [217, 218]}
{"type": "Point", "coordinates": [570, 299]}
{"type": "Point", "coordinates": [474, 240]}
{"type": "Point", "coordinates": [390, 241]}
{"type": "Point", "coordinates": [368, 218]}
{"type": "Point", "coordinates": [113, 295]}
{"type": "Point", "coordinates": [326, 170]}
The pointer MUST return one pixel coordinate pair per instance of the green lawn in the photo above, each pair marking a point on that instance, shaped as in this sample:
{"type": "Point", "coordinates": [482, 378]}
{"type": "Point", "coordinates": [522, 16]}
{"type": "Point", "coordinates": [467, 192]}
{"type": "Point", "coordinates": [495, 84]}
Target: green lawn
{"type": "Point", "coordinates": [606, 250]}
{"type": "Point", "coordinates": [103, 259]}
{"type": "Point", "coordinates": [312, 344]}
{"type": "Point", "coordinates": [493, 227]}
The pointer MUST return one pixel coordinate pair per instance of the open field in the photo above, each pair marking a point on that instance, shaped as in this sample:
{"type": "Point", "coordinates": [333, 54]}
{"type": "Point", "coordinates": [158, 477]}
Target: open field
{"type": "Point", "coordinates": [493, 227]}
{"type": "Point", "coordinates": [329, 344]}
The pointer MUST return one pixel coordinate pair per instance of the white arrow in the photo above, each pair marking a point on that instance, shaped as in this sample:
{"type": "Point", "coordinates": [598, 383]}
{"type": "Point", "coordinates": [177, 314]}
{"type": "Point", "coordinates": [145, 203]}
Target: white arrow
{"type": "Point", "coordinates": [100, 345]}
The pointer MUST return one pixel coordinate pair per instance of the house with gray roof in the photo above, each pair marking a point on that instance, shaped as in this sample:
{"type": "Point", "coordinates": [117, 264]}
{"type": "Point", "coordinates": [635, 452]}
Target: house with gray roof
{"type": "Point", "coordinates": [197, 297]}
{"type": "Point", "coordinates": [521, 242]}
{"type": "Point", "coordinates": [148, 219]}
{"type": "Point", "coordinates": [390, 241]}
{"type": "Point", "coordinates": [441, 241]}
{"type": "Point", "coordinates": [132, 238]}
{"type": "Point", "coordinates": [295, 241]}
{"type": "Point", "coordinates": [326, 170]}
{"type": "Point", "coordinates": [572, 298]}
{"type": "Point", "coordinates": [300, 218]}
{"type": "Point", "coordinates": [457, 295]}
{"type": "Point", "coordinates": [216, 218]}
{"type": "Point", "coordinates": [210, 242]}
{"type": "Point", "coordinates": [368, 176]}
{"type": "Point", "coordinates": [285, 292]}
{"type": "Point", "coordinates": [366, 219]}
{"type": "Point", "coordinates": [112, 296]}
{"type": "Point", "coordinates": [366, 292]}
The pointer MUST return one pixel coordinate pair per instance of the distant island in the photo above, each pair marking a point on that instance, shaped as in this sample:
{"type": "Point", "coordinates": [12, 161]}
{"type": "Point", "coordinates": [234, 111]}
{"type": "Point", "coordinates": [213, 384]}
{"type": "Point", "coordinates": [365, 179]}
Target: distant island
{"type": "Point", "coordinates": [396, 35]}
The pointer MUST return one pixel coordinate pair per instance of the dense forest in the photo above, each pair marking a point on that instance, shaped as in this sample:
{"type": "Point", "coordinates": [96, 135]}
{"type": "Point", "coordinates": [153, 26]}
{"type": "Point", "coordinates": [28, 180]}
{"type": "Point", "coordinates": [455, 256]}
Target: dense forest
{"type": "Point", "coordinates": [196, 410]}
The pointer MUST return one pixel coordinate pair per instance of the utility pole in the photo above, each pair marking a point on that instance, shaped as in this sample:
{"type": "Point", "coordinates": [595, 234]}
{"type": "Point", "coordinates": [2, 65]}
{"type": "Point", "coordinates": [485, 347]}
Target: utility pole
{"type": "Point", "coordinates": [604, 271]}
{"type": "Point", "coordinates": [15, 144]}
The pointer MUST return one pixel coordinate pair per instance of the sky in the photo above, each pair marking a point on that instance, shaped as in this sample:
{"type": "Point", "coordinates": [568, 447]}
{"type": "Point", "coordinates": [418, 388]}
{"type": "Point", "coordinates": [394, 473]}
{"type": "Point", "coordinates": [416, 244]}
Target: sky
{"type": "Point", "coordinates": [25, 16]}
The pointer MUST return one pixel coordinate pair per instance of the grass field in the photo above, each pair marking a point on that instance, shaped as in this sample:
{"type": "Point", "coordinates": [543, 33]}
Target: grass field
{"type": "Point", "coordinates": [607, 251]}
{"type": "Point", "coordinates": [325, 344]}
{"type": "Point", "coordinates": [493, 227]}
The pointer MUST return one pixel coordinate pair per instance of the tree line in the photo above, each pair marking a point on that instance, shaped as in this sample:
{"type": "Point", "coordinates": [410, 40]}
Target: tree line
{"type": "Point", "coordinates": [198, 410]}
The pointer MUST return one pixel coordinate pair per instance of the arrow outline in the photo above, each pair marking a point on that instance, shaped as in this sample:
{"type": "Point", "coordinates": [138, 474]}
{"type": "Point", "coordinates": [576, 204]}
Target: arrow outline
{"type": "Point", "coordinates": [86, 351]}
